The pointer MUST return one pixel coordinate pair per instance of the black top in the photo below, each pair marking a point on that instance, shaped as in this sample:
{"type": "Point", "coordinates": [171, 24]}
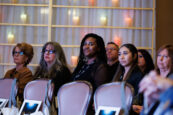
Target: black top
{"type": "Point", "coordinates": [112, 70]}
{"type": "Point", "coordinates": [134, 79]}
{"type": "Point", "coordinates": [95, 73]}
{"type": "Point", "coordinates": [61, 78]}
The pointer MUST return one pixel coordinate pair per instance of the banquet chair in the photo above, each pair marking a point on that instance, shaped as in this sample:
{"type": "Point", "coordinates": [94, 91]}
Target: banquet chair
{"type": "Point", "coordinates": [8, 90]}
{"type": "Point", "coordinates": [110, 95]}
{"type": "Point", "coordinates": [38, 89]}
{"type": "Point", "coordinates": [74, 98]}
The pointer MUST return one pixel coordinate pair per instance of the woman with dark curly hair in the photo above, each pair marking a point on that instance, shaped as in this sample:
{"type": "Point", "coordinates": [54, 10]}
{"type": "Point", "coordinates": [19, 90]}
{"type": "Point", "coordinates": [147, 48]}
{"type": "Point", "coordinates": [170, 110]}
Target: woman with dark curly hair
{"type": "Point", "coordinates": [92, 61]}
{"type": "Point", "coordinates": [145, 61]}
{"type": "Point", "coordinates": [91, 65]}
{"type": "Point", "coordinates": [22, 55]}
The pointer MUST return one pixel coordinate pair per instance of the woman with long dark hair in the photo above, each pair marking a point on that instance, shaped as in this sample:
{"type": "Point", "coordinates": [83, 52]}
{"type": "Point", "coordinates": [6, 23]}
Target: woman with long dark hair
{"type": "Point", "coordinates": [91, 65]}
{"type": "Point", "coordinates": [92, 61]}
{"type": "Point", "coordinates": [145, 61]}
{"type": "Point", "coordinates": [128, 69]}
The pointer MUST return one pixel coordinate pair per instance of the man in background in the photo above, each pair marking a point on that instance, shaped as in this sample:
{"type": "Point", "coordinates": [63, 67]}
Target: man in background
{"type": "Point", "coordinates": [112, 58]}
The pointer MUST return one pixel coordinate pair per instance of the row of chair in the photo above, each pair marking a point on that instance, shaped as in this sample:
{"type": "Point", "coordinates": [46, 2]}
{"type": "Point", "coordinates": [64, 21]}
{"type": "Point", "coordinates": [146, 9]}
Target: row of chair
{"type": "Point", "coordinates": [74, 97]}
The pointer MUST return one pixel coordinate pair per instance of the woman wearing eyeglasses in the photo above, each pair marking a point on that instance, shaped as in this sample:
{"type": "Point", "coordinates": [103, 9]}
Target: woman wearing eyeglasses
{"type": "Point", "coordinates": [53, 65]}
{"type": "Point", "coordinates": [22, 56]}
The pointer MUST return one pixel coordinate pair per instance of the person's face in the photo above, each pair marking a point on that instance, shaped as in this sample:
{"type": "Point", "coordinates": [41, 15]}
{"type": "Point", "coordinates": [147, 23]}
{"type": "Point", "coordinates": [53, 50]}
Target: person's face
{"type": "Point", "coordinates": [111, 52]}
{"type": "Point", "coordinates": [90, 48]}
{"type": "Point", "coordinates": [163, 60]}
{"type": "Point", "coordinates": [49, 54]}
{"type": "Point", "coordinates": [141, 60]}
{"type": "Point", "coordinates": [19, 57]}
{"type": "Point", "coordinates": [125, 57]}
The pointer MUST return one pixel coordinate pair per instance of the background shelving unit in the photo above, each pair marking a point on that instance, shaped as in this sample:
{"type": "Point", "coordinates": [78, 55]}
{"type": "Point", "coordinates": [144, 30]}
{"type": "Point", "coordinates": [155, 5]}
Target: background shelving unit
{"type": "Point", "coordinates": [67, 21]}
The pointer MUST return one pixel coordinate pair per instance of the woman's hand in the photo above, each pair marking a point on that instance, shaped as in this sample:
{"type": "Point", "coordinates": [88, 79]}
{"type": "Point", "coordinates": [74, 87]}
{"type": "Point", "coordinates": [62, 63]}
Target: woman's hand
{"type": "Point", "coordinates": [137, 108]}
{"type": "Point", "coordinates": [153, 85]}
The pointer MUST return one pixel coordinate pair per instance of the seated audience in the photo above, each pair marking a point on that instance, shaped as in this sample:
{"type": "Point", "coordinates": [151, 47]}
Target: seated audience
{"type": "Point", "coordinates": [145, 61]}
{"type": "Point", "coordinates": [112, 58]}
{"type": "Point", "coordinates": [92, 61]}
{"type": "Point", "coordinates": [145, 64]}
{"type": "Point", "coordinates": [22, 56]}
{"type": "Point", "coordinates": [53, 65]}
{"type": "Point", "coordinates": [92, 66]}
{"type": "Point", "coordinates": [164, 69]}
{"type": "Point", "coordinates": [128, 69]}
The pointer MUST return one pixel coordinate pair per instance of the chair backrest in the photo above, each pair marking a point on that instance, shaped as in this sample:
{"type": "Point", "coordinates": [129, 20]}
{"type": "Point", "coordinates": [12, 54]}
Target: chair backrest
{"type": "Point", "coordinates": [110, 95]}
{"type": "Point", "coordinates": [5, 88]}
{"type": "Point", "coordinates": [74, 98]}
{"type": "Point", "coordinates": [36, 90]}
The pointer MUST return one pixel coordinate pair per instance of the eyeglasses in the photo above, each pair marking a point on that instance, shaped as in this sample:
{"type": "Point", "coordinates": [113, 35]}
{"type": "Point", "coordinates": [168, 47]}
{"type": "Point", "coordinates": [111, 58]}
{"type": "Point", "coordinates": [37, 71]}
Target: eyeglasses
{"type": "Point", "coordinates": [111, 49]}
{"type": "Point", "coordinates": [20, 53]}
{"type": "Point", "coordinates": [49, 51]}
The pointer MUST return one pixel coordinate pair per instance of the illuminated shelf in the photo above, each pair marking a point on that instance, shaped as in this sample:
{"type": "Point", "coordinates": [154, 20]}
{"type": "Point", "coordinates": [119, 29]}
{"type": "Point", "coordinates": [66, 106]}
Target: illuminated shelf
{"type": "Point", "coordinates": [34, 5]}
{"type": "Point", "coordinates": [74, 26]}
{"type": "Point", "coordinates": [40, 45]}
{"type": "Point", "coordinates": [98, 7]}
{"type": "Point", "coordinates": [66, 6]}
{"type": "Point", "coordinates": [110, 27]}
{"type": "Point", "coordinates": [13, 24]}
{"type": "Point", "coordinates": [12, 64]}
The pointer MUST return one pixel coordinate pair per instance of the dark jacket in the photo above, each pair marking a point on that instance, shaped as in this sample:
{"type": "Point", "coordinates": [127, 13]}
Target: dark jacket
{"type": "Point", "coordinates": [112, 70]}
{"type": "Point", "coordinates": [95, 73]}
{"type": "Point", "coordinates": [134, 78]}
{"type": "Point", "coordinates": [61, 78]}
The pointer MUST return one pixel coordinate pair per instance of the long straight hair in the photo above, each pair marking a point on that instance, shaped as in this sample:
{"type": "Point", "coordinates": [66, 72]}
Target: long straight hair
{"type": "Point", "coordinates": [121, 69]}
{"type": "Point", "coordinates": [148, 60]}
{"type": "Point", "coordinates": [60, 61]}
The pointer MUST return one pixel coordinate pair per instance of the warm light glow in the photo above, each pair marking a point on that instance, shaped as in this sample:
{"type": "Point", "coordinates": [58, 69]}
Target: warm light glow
{"type": "Point", "coordinates": [91, 2]}
{"type": "Point", "coordinates": [117, 40]}
{"type": "Point", "coordinates": [44, 10]}
{"type": "Point", "coordinates": [74, 60]}
{"type": "Point", "coordinates": [69, 12]}
{"type": "Point", "coordinates": [10, 38]}
{"type": "Point", "coordinates": [76, 20]}
{"type": "Point", "coordinates": [103, 20]}
{"type": "Point", "coordinates": [74, 12]}
{"type": "Point", "coordinates": [128, 21]}
{"type": "Point", "coordinates": [23, 17]}
{"type": "Point", "coordinates": [14, 1]}
{"type": "Point", "coordinates": [115, 3]}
